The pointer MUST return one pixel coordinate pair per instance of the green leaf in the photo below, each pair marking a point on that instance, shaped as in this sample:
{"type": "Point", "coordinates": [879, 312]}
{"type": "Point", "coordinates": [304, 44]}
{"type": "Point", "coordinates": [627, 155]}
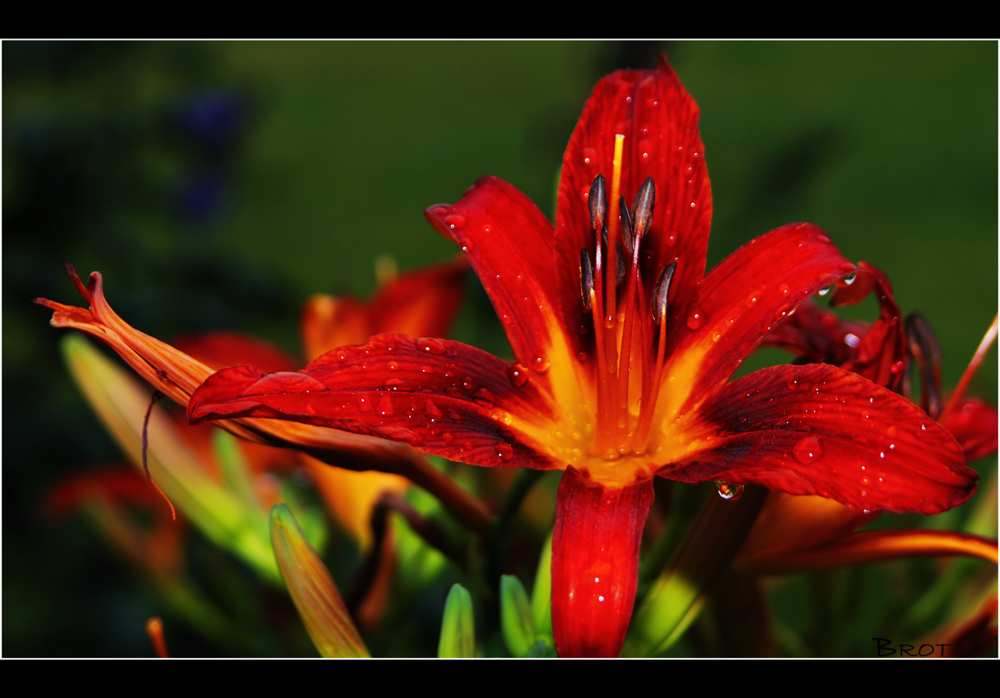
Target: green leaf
{"type": "Point", "coordinates": [312, 589]}
{"type": "Point", "coordinates": [120, 402]}
{"type": "Point", "coordinates": [516, 620]}
{"type": "Point", "coordinates": [541, 594]}
{"type": "Point", "coordinates": [458, 632]}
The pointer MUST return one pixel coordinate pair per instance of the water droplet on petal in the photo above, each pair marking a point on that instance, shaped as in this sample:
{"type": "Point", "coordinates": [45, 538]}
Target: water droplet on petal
{"type": "Point", "coordinates": [808, 450]}
{"type": "Point", "coordinates": [431, 346]}
{"type": "Point", "coordinates": [432, 412]}
{"type": "Point", "coordinates": [483, 397]}
{"type": "Point", "coordinates": [467, 383]}
{"type": "Point", "coordinates": [504, 451]}
{"type": "Point", "coordinates": [728, 491]}
{"type": "Point", "coordinates": [341, 354]}
{"type": "Point", "coordinates": [385, 406]}
{"type": "Point", "coordinates": [468, 246]}
{"type": "Point", "coordinates": [850, 278]}
{"type": "Point", "coordinates": [452, 414]}
{"type": "Point", "coordinates": [793, 384]}
{"type": "Point", "coordinates": [540, 364]}
{"type": "Point", "coordinates": [824, 290]}
{"type": "Point", "coordinates": [784, 289]}
{"type": "Point", "coordinates": [453, 391]}
{"type": "Point", "coordinates": [897, 367]}
{"type": "Point", "coordinates": [393, 366]}
{"type": "Point", "coordinates": [365, 404]}
{"type": "Point", "coordinates": [396, 384]}
{"type": "Point", "coordinates": [696, 319]}
{"type": "Point", "coordinates": [517, 374]}
{"type": "Point", "coordinates": [851, 340]}
{"type": "Point", "coordinates": [454, 221]}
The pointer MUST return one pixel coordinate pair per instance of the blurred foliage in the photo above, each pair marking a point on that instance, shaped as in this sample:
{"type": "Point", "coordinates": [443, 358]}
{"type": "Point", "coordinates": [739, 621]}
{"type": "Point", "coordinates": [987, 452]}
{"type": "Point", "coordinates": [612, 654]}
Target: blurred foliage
{"type": "Point", "coordinates": [217, 185]}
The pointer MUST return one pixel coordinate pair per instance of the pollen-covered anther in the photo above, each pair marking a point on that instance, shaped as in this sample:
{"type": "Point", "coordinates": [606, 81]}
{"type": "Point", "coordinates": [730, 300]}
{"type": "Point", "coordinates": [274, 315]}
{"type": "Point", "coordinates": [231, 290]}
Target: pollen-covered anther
{"type": "Point", "coordinates": [586, 278]}
{"type": "Point", "coordinates": [642, 208]}
{"type": "Point", "coordinates": [660, 291]}
{"type": "Point", "coordinates": [925, 351]}
{"type": "Point", "coordinates": [598, 202]}
{"type": "Point", "coordinates": [627, 225]}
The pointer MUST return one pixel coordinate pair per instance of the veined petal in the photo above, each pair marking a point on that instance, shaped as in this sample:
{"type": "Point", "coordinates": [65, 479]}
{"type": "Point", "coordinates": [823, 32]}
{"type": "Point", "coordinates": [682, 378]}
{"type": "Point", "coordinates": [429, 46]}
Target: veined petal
{"type": "Point", "coordinates": [738, 303]}
{"type": "Point", "coordinates": [973, 423]}
{"type": "Point", "coordinates": [313, 589]}
{"type": "Point", "coordinates": [869, 546]}
{"type": "Point", "coordinates": [818, 429]}
{"type": "Point", "coordinates": [509, 243]}
{"type": "Point", "coordinates": [595, 563]}
{"type": "Point", "coordinates": [440, 396]}
{"type": "Point", "coordinates": [659, 120]}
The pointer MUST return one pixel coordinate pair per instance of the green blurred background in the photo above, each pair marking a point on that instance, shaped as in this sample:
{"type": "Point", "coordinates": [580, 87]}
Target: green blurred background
{"type": "Point", "coordinates": [217, 185]}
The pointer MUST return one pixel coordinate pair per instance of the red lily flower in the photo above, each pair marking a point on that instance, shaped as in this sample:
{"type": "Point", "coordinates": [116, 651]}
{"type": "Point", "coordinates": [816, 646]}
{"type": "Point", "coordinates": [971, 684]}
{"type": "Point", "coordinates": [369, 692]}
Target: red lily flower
{"type": "Point", "coordinates": [800, 533]}
{"type": "Point", "coordinates": [623, 351]}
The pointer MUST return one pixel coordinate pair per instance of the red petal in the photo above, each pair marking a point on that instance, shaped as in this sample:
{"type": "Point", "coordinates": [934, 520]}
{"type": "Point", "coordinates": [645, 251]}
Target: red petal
{"type": "Point", "coordinates": [660, 123]}
{"type": "Point", "coordinates": [595, 563]}
{"type": "Point", "coordinates": [221, 349]}
{"type": "Point", "coordinates": [881, 354]}
{"type": "Point", "coordinates": [739, 302]}
{"type": "Point", "coordinates": [508, 242]}
{"type": "Point", "coordinates": [818, 429]}
{"type": "Point", "coordinates": [443, 397]}
{"type": "Point", "coordinates": [817, 336]}
{"type": "Point", "coordinates": [421, 303]}
{"type": "Point", "coordinates": [973, 423]}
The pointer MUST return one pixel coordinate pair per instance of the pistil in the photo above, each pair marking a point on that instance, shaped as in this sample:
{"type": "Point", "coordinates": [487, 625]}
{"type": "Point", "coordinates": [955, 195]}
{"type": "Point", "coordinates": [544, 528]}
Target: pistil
{"type": "Point", "coordinates": [970, 370]}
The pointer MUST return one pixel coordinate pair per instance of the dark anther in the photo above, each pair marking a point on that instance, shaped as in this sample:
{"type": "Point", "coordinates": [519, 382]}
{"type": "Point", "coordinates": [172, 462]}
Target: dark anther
{"type": "Point", "coordinates": [923, 346]}
{"type": "Point", "coordinates": [598, 202]}
{"type": "Point", "coordinates": [642, 208]}
{"type": "Point", "coordinates": [586, 278]}
{"type": "Point", "coordinates": [661, 289]}
{"type": "Point", "coordinates": [626, 225]}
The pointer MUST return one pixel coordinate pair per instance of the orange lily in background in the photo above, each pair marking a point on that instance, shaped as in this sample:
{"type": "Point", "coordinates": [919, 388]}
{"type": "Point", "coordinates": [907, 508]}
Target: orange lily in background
{"type": "Point", "coordinates": [623, 348]}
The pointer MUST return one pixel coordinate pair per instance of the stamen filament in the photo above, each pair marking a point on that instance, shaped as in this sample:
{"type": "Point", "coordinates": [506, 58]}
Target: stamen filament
{"type": "Point", "coordinates": [642, 429]}
{"type": "Point", "coordinates": [625, 357]}
{"type": "Point", "coordinates": [614, 221]}
{"type": "Point", "coordinates": [154, 628]}
{"type": "Point", "coordinates": [970, 370]}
